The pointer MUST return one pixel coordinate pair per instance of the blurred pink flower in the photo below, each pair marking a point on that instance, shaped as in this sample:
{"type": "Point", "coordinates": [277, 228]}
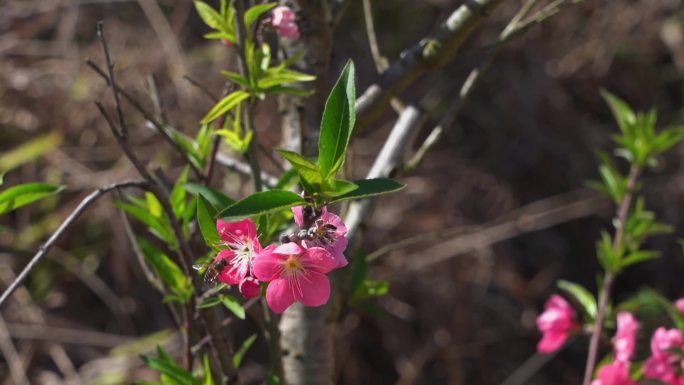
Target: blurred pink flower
{"type": "Point", "coordinates": [625, 337]}
{"type": "Point", "coordinates": [616, 373]}
{"type": "Point", "coordinates": [284, 19]}
{"type": "Point", "coordinates": [295, 274]}
{"type": "Point", "coordinates": [243, 247]}
{"type": "Point", "coordinates": [555, 323]}
{"type": "Point", "coordinates": [339, 240]}
{"type": "Point", "coordinates": [679, 304]}
{"type": "Point", "coordinates": [663, 363]}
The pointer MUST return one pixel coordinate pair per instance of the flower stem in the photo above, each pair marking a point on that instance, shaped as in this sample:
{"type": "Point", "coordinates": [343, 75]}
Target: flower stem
{"type": "Point", "coordinates": [609, 276]}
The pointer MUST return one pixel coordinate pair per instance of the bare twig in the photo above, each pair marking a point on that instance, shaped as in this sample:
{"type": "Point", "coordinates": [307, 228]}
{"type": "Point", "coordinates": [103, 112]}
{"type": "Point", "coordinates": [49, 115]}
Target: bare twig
{"type": "Point", "coordinates": [535, 216]}
{"type": "Point", "coordinates": [110, 76]}
{"type": "Point", "coordinates": [149, 117]}
{"type": "Point", "coordinates": [429, 53]}
{"type": "Point", "coordinates": [380, 61]}
{"type": "Point", "coordinates": [516, 27]}
{"type": "Point", "coordinates": [66, 335]}
{"type": "Point", "coordinates": [202, 88]}
{"type": "Point", "coordinates": [61, 230]}
{"type": "Point", "coordinates": [11, 356]}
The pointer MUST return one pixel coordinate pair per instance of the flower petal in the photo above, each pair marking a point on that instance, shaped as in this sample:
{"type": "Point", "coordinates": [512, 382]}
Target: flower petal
{"type": "Point", "coordinates": [290, 248]}
{"type": "Point", "coordinates": [279, 295]}
{"type": "Point", "coordinates": [336, 221]}
{"type": "Point", "coordinates": [228, 276]}
{"type": "Point", "coordinates": [551, 342]}
{"type": "Point", "coordinates": [268, 265]}
{"type": "Point", "coordinates": [298, 216]}
{"type": "Point", "coordinates": [315, 289]}
{"type": "Point", "coordinates": [318, 259]}
{"type": "Point", "coordinates": [337, 250]}
{"type": "Point", "coordinates": [249, 287]}
{"type": "Point", "coordinates": [229, 231]}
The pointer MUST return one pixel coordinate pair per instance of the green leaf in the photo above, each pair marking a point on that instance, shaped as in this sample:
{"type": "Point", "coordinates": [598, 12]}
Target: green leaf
{"type": "Point", "coordinates": [240, 354]}
{"type": "Point", "coordinates": [24, 194]}
{"type": "Point", "coordinates": [279, 76]}
{"type": "Point", "coordinates": [153, 205]}
{"type": "Point", "coordinates": [236, 78]}
{"type": "Point", "coordinates": [233, 305]}
{"type": "Point", "coordinates": [206, 215]}
{"type": "Point", "coordinates": [369, 289]}
{"type": "Point", "coordinates": [170, 273]}
{"type": "Point", "coordinates": [583, 297]}
{"type": "Point", "coordinates": [288, 180]}
{"type": "Point", "coordinates": [337, 124]}
{"type": "Point", "coordinates": [209, 15]}
{"type": "Point", "coordinates": [638, 256]}
{"type": "Point", "coordinates": [254, 12]}
{"type": "Point", "coordinates": [160, 226]}
{"type": "Point", "coordinates": [306, 168]}
{"type": "Point", "coordinates": [370, 187]}
{"type": "Point", "coordinates": [178, 193]}
{"type": "Point", "coordinates": [215, 197]}
{"type": "Point", "coordinates": [621, 111]}
{"type": "Point", "coordinates": [206, 368]}
{"type": "Point", "coordinates": [339, 187]}
{"type": "Point", "coordinates": [224, 105]}
{"type": "Point", "coordinates": [261, 203]}
{"type": "Point", "coordinates": [170, 369]}
{"type": "Point", "coordinates": [209, 302]}
{"type": "Point", "coordinates": [29, 151]}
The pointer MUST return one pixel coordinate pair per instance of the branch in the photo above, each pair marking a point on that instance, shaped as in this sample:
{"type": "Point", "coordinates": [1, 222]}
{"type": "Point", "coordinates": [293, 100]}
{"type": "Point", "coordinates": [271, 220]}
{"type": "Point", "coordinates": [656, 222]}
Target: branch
{"type": "Point", "coordinates": [61, 230]}
{"type": "Point", "coordinates": [429, 53]}
{"type": "Point", "coordinates": [381, 63]}
{"type": "Point", "coordinates": [110, 78]}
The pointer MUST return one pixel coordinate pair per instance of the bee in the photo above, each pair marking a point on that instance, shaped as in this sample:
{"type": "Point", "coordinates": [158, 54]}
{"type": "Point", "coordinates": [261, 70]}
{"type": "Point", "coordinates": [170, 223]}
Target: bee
{"type": "Point", "coordinates": [211, 271]}
{"type": "Point", "coordinates": [319, 232]}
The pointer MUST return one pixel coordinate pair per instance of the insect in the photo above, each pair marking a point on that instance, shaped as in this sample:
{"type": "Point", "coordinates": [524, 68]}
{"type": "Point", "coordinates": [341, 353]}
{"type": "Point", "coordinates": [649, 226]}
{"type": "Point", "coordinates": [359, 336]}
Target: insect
{"type": "Point", "coordinates": [211, 270]}
{"type": "Point", "coordinates": [319, 232]}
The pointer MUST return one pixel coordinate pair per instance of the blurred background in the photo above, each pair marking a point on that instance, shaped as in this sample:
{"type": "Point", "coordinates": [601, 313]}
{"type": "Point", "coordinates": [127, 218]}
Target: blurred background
{"type": "Point", "coordinates": [507, 181]}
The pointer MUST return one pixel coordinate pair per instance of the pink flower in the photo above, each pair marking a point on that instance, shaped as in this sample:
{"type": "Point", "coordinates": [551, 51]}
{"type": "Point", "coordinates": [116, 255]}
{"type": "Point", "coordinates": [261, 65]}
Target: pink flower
{"type": "Point", "coordinates": [250, 287]}
{"type": "Point", "coordinates": [625, 337]}
{"type": "Point", "coordinates": [679, 304]}
{"type": "Point", "coordinates": [243, 246]}
{"type": "Point", "coordinates": [284, 19]}
{"type": "Point", "coordinates": [555, 323]}
{"type": "Point", "coordinates": [295, 274]}
{"type": "Point", "coordinates": [616, 373]}
{"type": "Point", "coordinates": [663, 363]}
{"type": "Point", "coordinates": [338, 240]}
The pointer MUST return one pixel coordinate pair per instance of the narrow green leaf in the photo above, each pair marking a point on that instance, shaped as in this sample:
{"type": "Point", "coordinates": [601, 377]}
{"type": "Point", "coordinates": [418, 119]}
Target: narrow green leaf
{"type": "Point", "coordinates": [236, 78]}
{"type": "Point", "coordinates": [370, 187]}
{"type": "Point", "coordinates": [206, 215]}
{"type": "Point", "coordinates": [217, 199]}
{"type": "Point", "coordinates": [24, 194]}
{"type": "Point", "coordinates": [168, 270]}
{"type": "Point", "coordinates": [638, 256]}
{"type": "Point", "coordinates": [253, 13]}
{"type": "Point", "coordinates": [210, 302]}
{"type": "Point", "coordinates": [233, 305]}
{"type": "Point", "coordinates": [583, 296]}
{"type": "Point", "coordinates": [224, 105]}
{"type": "Point", "coordinates": [153, 205]}
{"type": "Point", "coordinates": [277, 77]}
{"type": "Point", "coordinates": [208, 378]}
{"type": "Point", "coordinates": [175, 373]}
{"type": "Point", "coordinates": [369, 289]}
{"type": "Point", "coordinates": [178, 193]}
{"type": "Point", "coordinates": [306, 169]}
{"type": "Point", "coordinates": [261, 203]}
{"type": "Point", "coordinates": [240, 354]}
{"type": "Point", "coordinates": [159, 226]}
{"type": "Point", "coordinates": [209, 15]}
{"type": "Point", "coordinates": [288, 180]}
{"type": "Point", "coordinates": [339, 187]}
{"type": "Point", "coordinates": [621, 111]}
{"type": "Point", "coordinates": [30, 150]}
{"type": "Point", "coordinates": [339, 116]}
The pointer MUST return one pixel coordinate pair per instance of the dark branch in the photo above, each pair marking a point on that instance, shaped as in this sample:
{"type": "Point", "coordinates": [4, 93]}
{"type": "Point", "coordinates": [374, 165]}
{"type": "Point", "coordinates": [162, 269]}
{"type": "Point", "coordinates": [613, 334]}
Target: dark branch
{"type": "Point", "coordinates": [57, 235]}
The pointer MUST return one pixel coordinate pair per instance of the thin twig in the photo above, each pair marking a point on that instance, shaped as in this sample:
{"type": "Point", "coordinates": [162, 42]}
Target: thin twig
{"type": "Point", "coordinates": [609, 278]}
{"type": "Point", "coordinates": [380, 61]}
{"type": "Point", "coordinates": [110, 71]}
{"type": "Point", "coordinates": [17, 371]}
{"type": "Point", "coordinates": [202, 88]}
{"type": "Point", "coordinates": [148, 117]}
{"type": "Point", "coordinates": [66, 336]}
{"type": "Point", "coordinates": [61, 230]}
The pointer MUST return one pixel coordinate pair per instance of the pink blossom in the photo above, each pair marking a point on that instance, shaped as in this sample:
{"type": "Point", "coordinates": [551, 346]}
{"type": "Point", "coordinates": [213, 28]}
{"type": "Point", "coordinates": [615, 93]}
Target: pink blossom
{"type": "Point", "coordinates": [339, 240]}
{"type": "Point", "coordinates": [625, 337]}
{"type": "Point", "coordinates": [243, 247]}
{"type": "Point", "coordinates": [295, 274]}
{"type": "Point", "coordinates": [284, 19]}
{"type": "Point", "coordinates": [616, 373]}
{"type": "Point", "coordinates": [555, 323]}
{"type": "Point", "coordinates": [679, 304]}
{"type": "Point", "coordinates": [663, 363]}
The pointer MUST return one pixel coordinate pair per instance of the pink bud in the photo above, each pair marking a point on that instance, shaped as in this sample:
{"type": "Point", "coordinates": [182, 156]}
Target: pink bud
{"type": "Point", "coordinates": [284, 19]}
{"type": "Point", "coordinates": [249, 287]}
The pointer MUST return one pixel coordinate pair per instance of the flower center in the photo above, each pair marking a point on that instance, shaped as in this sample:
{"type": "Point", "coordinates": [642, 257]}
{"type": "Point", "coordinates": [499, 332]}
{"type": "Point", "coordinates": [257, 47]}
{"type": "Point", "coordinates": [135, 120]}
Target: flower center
{"type": "Point", "coordinates": [292, 265]}
{"type": "Point", "coordinates": [244, 252]}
